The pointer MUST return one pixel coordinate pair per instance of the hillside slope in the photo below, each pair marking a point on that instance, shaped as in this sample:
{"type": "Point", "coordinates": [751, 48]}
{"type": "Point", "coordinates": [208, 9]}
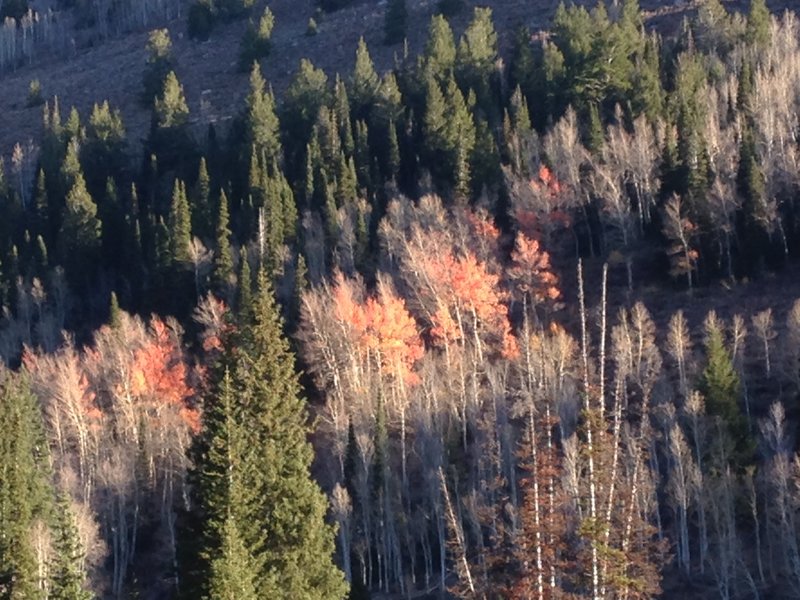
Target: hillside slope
{"type": "Point", "coordinates": [112, 69]}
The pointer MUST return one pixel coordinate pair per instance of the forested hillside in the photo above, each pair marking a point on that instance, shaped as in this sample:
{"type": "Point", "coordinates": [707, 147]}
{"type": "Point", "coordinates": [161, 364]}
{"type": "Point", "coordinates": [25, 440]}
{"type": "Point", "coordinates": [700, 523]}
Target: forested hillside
{"type": "Point", "coordinates": [508, 312]}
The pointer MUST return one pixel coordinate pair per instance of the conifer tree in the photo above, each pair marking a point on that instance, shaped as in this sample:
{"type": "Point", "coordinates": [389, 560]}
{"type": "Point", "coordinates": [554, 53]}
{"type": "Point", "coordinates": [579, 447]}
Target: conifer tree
{"type": "Point", "coordinates": [307, 92]}
{"type": "Point", "coordinates": [80, 234]}
{"type": "Point", "coordinates": [721, 388]}
{"type": "Point", "coordinates": [261, 122]}
{"type": "Point", "coordinates": [245, 288]}
{"type": "Point", "coordinates": [439, 56]}
{"type": "Point", "coordinates": [159, 64]}
{"type": "Point", "coordinates": [170, 107]}
{"type": "Point", "coordinates": [476, 57]}
{"type": "Point", "coordinates": [289, 536]}
{"type": "Point", "coordinates": [68, 575]}
{"type": "Point", "coordinates": [365, 83]}
{"type": "Point", "coordinates": [223, 258]}
{"type": "Point", "coordinates": [232, 569]}
{"type": "Point", "coordinates": [23, 487]}
{"type": "Point", "coordinates": [256, 43]}
{"type": "Point", "coordinates": [202, 212]}
{"type": "Point", "coordinates": [180, 226]}
{"type": "Point", "coordinates": [757, 33]}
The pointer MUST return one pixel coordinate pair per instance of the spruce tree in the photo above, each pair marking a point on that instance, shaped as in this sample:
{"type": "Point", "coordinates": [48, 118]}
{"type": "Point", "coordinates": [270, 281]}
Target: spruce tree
{"type": "Point", "coordinates": [261, 122]}
{"type": "Point", "coordinates": [202, 212]}
{"type": "Point", "coordinates": [341, 111]}
{"type": "Point", "coordinates": [226, 498]}
{"type": "Point", "coordinates": [79, 238]}
{"type": "Point", "coordinates": [245, 289]}
{"type": "Point", "coordinates": [757, 33]}
{"type": "Point", "coordinates": [159, 64]}
{"type": "Point", "coordinates": [476, 57]}
{"type": "Point", "coordinates": [439, 56]}
{"type": "Point", "coordinates": [68, 576]}
{"type": "Point", "coordinates": [171, 109]}
{"type": "Point", "coordinates": [180, 226]}
{"type": "Point", "coordinates": [365, 83]}
{"type": "Point", "coordinates": [232, 569]}
{"type": "Point", "coordinates": [223, 259]}
{"type": "Point", "coordinates": [256, 43]}
{"type": "Point", "coordinates": [288, 534]}
{"type": "Point", "coordinates": [24, 487]}
{"type": "Point", "coordinates": [721, 388]}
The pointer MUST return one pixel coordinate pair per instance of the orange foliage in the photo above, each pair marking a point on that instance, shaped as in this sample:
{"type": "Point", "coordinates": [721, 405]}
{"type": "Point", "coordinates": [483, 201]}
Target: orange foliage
{"type": "Point", "coordinates": [530, 270]}
{"type": "Point", "coordinates": [470, 287]}
{"type": "Point", "coordinates": [381, 325]}
{"type": "Point", "coordinates": [159, 374]}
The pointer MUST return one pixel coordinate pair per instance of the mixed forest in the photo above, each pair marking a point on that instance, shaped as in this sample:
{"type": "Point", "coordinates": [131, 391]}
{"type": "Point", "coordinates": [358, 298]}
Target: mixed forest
{"type": "Point", "coordinates": [413, 333]}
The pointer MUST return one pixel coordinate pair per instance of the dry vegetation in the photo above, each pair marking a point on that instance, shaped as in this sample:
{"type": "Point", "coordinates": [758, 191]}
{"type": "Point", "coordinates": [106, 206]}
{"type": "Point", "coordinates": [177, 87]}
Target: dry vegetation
{"type": "Point", "coordinates": [95, 70]}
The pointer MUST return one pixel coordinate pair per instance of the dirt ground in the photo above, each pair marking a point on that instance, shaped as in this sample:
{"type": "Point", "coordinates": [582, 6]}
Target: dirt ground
{"type": "Point", "coordinates": [214, 89]}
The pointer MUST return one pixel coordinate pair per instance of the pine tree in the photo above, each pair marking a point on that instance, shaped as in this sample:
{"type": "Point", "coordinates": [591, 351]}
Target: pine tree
{"type": "Point", "coordinates": [476, 57]}
{"type": "Point", "coordinates": [307, 92]}
{"type": "Point", "coordinates": [341, 111]}
{"type": "Point", "coordinates": [245, 288]}
{"type": "Point", "coordinates": [721, 388]}
{"type": "Point", "coordinates": [256, 43]}
{"type": "Point", "coordinates": [261, 122]}
{"type": "Point", "coordinates": [232, 570]}
{"type": "Point", "coordinates": [23, 487]}
{"type": "Point", "coordinates": [757, 33]}
{"type": "Point", "coordinates": [223, 259]}
{"type": "Point", "coordinates": [289, 535]}
{"type": "Point", "coordinates": [365, 83]}
{"type": "Point", "coordinates": [171, 109]}
{"type": "Point", "coordinates": [180, 226]}
{"type": "Point", "coordinates": [202, 212]}
{"type": "Point", "coordinates": [439, 56]}
{"type": "Point", "coordinates": [159, 64]}
{"type": "Point", "coordinates": [114, 312]}
{"type": "Point", "coordinates": [224, 494]}
{"type": "Point", "coordinates": [68, 575]}
{"type": "Point", "coordinates": [79, 238]}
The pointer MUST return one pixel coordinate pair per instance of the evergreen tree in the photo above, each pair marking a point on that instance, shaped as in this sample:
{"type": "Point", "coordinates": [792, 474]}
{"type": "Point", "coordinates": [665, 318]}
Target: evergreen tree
{"type": "Point", "coordinates": [180, 227]}
{"type": "Point", "coordinates": [159, 64]}
{"type": "Point", "coordinates": [103, 153]}
{"type": "Point", "coordinates": [307, 92]}
{"type": "Point", "coordinates": [289, 535]}
{"type": "Point", "coordinates": [23, 487]}
{"type": "Point", "coordinates": [720, 386]}
{"type": "Point", "coordinates": [364, 83]}
{"type": "Point", "coordinates": [261, 122]}
{"type": "Point", "coordinates": [647, 92]}
{"type": "Point", "coordinates": [245, 288]}
{"type": "Point", "coordinates": [438, 59]}
{"type": "Point", "coordinates": [203, 217]}
{"type": "Point", "coordinates": [256, 43]}
{"type": "Point", "coordinates": [476, 57]}
{"type": "Point", "coordinates": [395, 22]}
{"type": "Point", "coordinates": [171, 109]}
{"type": "Point", "coordinates": [68, 575]}
{"type": "Point", "coordinates": [223, 259]}
{"type": "Point", "coordinates": [755, 216]}
{"type": "Point", "coordinates": [225, 495]}
{"type": "Point", "coordinates": [232, 570]}
{"type": "Point", "coordinates": [757, 33]}
{"type": "Point", "coordinates": [79, 238]}
{"type": "Point", "coordinates": [341, 111]}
